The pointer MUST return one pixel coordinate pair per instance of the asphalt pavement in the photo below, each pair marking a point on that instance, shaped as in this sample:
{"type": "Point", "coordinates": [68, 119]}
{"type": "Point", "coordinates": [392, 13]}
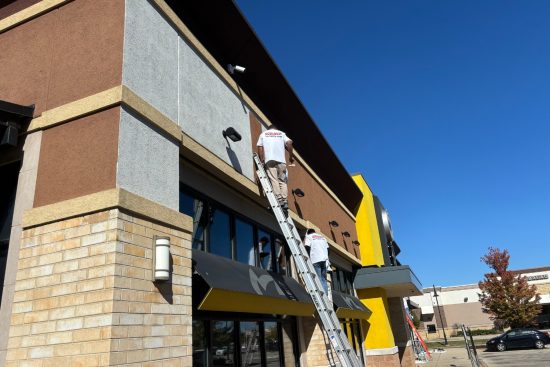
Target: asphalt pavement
{"type": "Point", "coordinates": [517, 358]}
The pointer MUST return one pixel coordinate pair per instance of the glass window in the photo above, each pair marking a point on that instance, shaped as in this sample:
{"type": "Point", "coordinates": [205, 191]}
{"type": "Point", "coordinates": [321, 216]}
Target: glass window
{"type": "Point", "coordinates": [219, 234]}
{"type": "Point", "coordinates": [272, 344]}
{"type": "Point", "coordinates": [244, 238]}
{"type": "Point", "coordinates": [187, 204]}
{"type": "Point", "coordinates": [223, 343]}
{"type": "Point", "coordinates": [264, 249]}
{"type": "Point", "coordinates": [282, 256]}
{"type": "Point", "coordinates": [200, 222]}
{"type": "Point", "coordinates": [250, 344]}
{"type": "Point", "coordinates": [199, 344]}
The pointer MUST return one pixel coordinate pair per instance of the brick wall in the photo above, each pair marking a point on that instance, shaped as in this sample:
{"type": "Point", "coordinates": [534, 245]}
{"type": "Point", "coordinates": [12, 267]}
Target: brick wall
{"type": "Point", "coordinates": [317, 347]}
{"type": "Point", "coordinates": [84, 295]}
{"type": "Point", "coordinates": [389, 360]}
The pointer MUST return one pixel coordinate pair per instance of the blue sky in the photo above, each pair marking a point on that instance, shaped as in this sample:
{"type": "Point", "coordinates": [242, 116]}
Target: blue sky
{"type": "Point", "coordinates": [444, 106]}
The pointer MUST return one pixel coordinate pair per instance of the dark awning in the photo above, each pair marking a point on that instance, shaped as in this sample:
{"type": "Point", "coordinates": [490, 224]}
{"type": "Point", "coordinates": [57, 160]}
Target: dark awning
{"type": "Point", "coordinates": [220, 284]}
{"type": "Point", "coordinates": [398, 281]}
{"type": "Point", "coordinates": [349, 307]}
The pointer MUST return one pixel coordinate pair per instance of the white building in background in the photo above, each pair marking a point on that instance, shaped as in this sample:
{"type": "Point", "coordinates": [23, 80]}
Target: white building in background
{"type": "Point", "coordinates": [460, 305]}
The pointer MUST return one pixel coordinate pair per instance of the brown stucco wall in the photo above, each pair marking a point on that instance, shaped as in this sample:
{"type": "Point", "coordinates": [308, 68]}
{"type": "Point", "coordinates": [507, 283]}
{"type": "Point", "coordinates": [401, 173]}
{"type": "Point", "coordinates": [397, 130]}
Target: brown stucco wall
{"type": "Point", "coordinates": [317, 206]}
{"type": "Point", "coordinates": [78, 158]}
{"type": "Point", "coordinates": [64, 55]}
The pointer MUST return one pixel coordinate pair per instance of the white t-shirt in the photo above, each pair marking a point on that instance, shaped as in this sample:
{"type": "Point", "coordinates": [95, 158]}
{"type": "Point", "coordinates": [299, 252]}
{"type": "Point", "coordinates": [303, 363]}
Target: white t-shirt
{"type": "Point", "coordinates": [273, 142]}
{"type": "Point", "coordinates": [319, 247]}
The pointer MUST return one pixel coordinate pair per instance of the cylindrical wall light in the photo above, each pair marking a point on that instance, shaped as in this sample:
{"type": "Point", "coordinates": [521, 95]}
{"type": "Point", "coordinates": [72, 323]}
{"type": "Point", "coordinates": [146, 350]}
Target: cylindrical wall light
{"type": "Point", "coordinates": [161, 258]}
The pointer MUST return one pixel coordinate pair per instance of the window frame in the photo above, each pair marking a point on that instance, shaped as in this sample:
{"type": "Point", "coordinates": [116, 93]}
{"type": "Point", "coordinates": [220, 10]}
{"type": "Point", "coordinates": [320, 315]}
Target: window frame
{"type": "Point", "coordinates": [210, 204]}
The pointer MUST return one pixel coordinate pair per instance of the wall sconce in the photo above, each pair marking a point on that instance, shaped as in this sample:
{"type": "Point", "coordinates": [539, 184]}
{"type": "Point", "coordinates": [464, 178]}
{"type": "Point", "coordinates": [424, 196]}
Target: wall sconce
{"type": "Point", "coordinates": [298, 192]}
{"type": "Point", "coordinates": [356, 243]}
{"type": "Point", "coordinates": [333, 223]}
{"type": "Point", "coordinates": [232, 134]}
{"type": "Point", "coordinates": [346, 234]}
{"type": "Point", "coordinates": [161, 258]}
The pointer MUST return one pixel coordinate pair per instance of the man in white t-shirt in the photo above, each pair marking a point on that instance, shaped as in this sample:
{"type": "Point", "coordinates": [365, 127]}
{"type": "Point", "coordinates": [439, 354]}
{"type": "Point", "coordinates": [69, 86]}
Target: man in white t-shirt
{"type": "Point", "coordinates": [318, 254]}
{"type": "Point", "coordinates": [272, 145]}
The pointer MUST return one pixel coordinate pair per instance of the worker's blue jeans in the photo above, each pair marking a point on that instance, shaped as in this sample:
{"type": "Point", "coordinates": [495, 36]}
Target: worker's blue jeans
{"type": "Point", "coordinates": [321, 270]}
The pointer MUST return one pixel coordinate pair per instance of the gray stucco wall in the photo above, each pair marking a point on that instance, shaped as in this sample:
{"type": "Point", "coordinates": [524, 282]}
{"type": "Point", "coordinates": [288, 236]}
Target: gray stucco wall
{"type": "Point", "coordinates": [148, 162]}
{"type": "Point", "coordinates": [164, 70]}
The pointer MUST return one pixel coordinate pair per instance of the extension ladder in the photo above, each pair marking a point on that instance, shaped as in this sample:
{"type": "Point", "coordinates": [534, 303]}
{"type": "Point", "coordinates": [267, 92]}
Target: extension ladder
{"type": "Point", "coordinates": [330, 322]}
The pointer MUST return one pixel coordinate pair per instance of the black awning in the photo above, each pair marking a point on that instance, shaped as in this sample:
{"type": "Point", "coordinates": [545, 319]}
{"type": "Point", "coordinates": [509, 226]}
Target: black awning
{"type": "Point", "coordinates": [349, 307]}
{"type": "Point", "coordinates": [220, 284]}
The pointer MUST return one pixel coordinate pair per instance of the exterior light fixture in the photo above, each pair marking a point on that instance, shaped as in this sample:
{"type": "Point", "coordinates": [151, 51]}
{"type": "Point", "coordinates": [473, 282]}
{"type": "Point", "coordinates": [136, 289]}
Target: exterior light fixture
{"type": "Point", "coordinates": [346, 234]}
{"type": "Point", "coordinates": [298, 192]}
{"type": "Point", "coordinates": [232, 134]}
{"type": "Point", "coordinates": [235, 68]}
{"type": "Point", "coordinates": [333, 223]}
{"type": "Point", "coordinates": [356, 243]}
{"type": "Point", "coordinates": [161, 258]}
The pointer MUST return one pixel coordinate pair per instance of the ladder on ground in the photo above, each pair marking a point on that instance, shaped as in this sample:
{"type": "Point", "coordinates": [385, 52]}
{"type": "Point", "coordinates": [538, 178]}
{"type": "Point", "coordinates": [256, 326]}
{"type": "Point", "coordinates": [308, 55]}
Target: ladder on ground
{"type": "Point", "coordinates": [330, 322]}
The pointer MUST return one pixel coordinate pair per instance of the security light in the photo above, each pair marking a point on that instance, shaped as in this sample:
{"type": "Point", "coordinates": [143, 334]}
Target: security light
{"type": "Point", "coordinates": [232, 134]}
{"type": "Point", "coordinates": [333, 223]}
{"type": "Point", "coordinates": [346, 234]}
{"type": "Point", "coordinates": [235, 68]}
{"type": "Point", "coordinates": [298, 192]}
{"type": "Point", "coordinates": [161, 258]}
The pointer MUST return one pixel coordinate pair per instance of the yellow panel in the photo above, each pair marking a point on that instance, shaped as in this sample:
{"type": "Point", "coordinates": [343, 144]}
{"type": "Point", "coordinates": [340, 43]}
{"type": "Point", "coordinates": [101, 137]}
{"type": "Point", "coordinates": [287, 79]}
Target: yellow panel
{"type": "Point", "coordinates": [377, 331]}
{"type": "Point", "coordinates": [231, 301]}
{"type": "Point", "coordinates": [367, 227]}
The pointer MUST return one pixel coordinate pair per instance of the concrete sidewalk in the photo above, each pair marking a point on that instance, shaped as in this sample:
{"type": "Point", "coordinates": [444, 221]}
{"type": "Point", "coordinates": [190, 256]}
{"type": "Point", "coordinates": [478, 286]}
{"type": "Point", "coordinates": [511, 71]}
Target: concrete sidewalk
{"type": "Point", "coordinates": [452, 357]}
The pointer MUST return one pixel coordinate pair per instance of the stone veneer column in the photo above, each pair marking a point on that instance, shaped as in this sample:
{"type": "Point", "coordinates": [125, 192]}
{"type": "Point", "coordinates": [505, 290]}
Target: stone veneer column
{"type": "Point", "coordinates": [84, 295]}
{"type": "Point", "coordinates": [24, 200]}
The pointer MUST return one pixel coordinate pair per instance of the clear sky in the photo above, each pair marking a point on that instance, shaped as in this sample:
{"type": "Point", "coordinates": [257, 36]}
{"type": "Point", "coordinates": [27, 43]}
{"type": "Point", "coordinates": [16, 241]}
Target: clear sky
{"type": "Point", "coordinates": [444, 106]}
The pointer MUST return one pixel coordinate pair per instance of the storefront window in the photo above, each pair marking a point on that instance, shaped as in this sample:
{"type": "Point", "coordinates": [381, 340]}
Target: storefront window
{"type": "Point", "coordinates": [223, 343]}
{"type": "Point", "coordinates": [199, 344]}
{"type": "Point", "coordinates": [219, 234]}
{"type": "Point", "coordinates": [281, 257]}
{"type": "Point", "coordinates": [272, 344]}
{"type": "Point", "coordinates": [218, 230]}
{"type": "Point", "coordinates": [264, 249]}
{"type": "Point", "coordinates": [244, 238]}
{"type": "Point", "coordinates": [250, 344]}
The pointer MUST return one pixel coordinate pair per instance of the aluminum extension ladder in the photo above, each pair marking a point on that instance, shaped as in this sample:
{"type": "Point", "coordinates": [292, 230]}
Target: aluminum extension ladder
{"type": "Point", "coordinates": [330, 322]}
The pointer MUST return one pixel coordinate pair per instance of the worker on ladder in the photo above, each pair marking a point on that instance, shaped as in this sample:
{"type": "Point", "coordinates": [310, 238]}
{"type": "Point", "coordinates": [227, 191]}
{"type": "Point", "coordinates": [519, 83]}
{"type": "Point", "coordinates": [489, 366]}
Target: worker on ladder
{"type": "Point", "coordinates": [272, 144]}
{"type": "Point", "coordinates": [318, 255]}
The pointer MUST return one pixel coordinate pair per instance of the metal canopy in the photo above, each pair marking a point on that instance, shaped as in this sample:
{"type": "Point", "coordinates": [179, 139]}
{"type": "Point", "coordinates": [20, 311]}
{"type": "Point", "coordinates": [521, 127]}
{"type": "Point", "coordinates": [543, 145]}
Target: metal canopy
{"type": "Point", "coordinates": [220, 284]}
{"type": "Point", "coordinates": [398, 281]}
{"type": "Point", "coordinates": [349, 307]}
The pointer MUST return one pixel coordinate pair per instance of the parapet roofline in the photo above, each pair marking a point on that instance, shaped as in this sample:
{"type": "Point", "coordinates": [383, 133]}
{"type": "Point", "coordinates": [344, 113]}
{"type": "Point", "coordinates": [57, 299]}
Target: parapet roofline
{"type": "Point", "coordinates": [223, 30]}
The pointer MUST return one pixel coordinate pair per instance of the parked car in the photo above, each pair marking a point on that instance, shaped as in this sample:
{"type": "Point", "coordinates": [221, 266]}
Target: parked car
{"type": "Point", "coordinates": [519, 338]}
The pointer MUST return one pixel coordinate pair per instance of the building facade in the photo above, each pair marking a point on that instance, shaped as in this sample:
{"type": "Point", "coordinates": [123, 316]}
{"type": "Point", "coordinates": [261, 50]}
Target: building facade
{"type": "Point", "coordinates": [114, 116]}
{"type": "Point", "coordinates": [460, 305]}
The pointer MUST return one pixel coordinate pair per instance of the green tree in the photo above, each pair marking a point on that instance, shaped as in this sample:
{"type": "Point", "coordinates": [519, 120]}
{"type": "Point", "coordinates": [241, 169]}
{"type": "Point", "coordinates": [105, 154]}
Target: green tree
{"type": "Point", "coordinates": [505, 294]}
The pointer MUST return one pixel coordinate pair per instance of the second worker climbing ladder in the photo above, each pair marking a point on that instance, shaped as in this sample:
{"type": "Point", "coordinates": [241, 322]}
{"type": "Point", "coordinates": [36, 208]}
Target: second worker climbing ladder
{"type": "Point", "coordinates": [329, 320]}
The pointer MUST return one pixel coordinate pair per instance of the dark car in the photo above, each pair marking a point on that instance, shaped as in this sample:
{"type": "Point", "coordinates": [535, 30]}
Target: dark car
{"type": "Point", "coordinates": [519, 338]}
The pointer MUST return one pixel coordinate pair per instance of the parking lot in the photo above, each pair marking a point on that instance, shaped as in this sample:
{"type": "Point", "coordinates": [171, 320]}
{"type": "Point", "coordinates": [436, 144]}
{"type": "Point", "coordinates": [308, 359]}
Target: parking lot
{"type": "Point", "coordinates": [517, 358]}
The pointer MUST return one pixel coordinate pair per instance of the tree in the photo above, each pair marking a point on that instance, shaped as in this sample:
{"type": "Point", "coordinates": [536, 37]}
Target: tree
{"type": "Point", "coordinates": [505, 294]}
